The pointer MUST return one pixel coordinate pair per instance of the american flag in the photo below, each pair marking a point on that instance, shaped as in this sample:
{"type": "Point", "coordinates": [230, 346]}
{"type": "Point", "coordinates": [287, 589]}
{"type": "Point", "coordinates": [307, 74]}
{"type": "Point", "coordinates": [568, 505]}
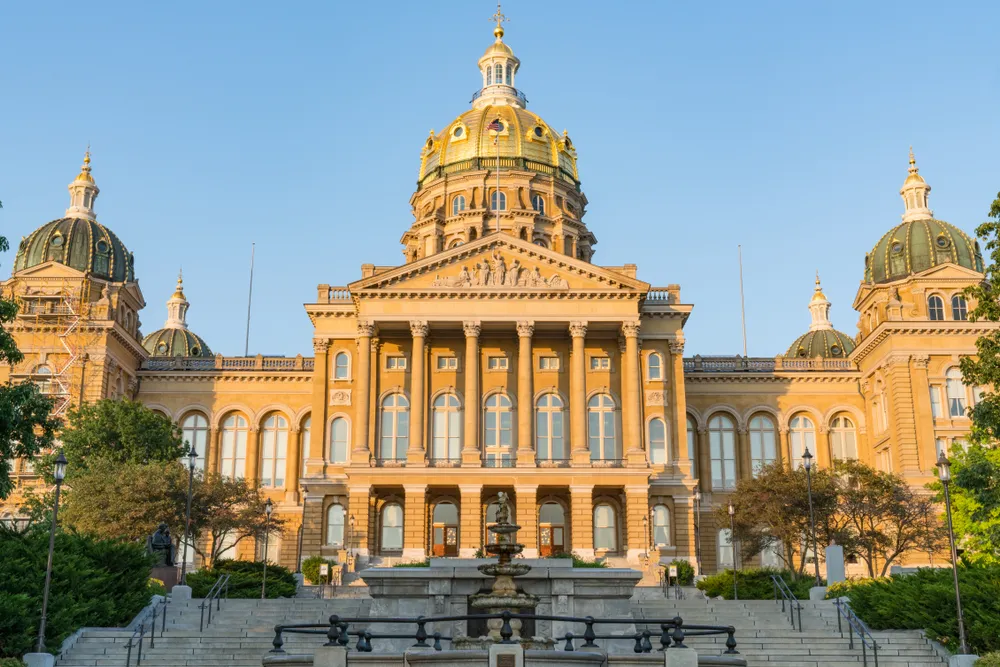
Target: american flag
{"type": "Point", "coordinates": [495, 126]}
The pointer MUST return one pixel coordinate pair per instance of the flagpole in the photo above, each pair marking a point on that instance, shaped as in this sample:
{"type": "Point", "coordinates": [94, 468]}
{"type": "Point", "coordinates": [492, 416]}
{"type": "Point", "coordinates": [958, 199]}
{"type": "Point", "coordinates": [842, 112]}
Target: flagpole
{"type": "Point", "coordinates": [497, 142]}
{"type": "Point", "coordinates": [743, 310]}
{"type": "Point", "coordinates": [246, 348]}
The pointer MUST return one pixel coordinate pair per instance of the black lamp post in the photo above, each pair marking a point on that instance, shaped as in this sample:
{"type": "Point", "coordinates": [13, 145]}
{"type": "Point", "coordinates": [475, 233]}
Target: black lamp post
{"type": "Point", "coordinates": [350, 541]}
{"type": "Point", "coordinates": [268, 508]}
{"type": "Point", "coordinates": [302, 530]}
{"type": "Point", "coordinates": [192, 461]}
{"type": "Point", "coordinates": [944, 474]}
{"type": "Point", "coordinates": [697, 529]}
{"type": "Point", "coordinates": [645, 529]}
{"type": "Point", "coordinates": [807, 463]}
{"type": "Point", "coordinates": [59, 474]}
{"type": "Point", "coordinates": [732, 543]}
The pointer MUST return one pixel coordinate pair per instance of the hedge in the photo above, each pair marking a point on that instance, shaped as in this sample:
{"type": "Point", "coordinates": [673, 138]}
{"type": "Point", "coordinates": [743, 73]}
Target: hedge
{"type": "Point", "coordinates": [245, 579]}
{"type": "Point", "coordinates": [988, 660]}
{"type": "Point", "coordinates": [579, 561]}
{"type": "Point", "coordinates": [754, 584]}
{"type": "Point", "coordinates": [310, 568]}
{"type": "Point", "coordinates": [685, 571]}
{"type": "Point", "coordinates": [100, 583]}
{"type": "Point", "coordinates": [925, 600]}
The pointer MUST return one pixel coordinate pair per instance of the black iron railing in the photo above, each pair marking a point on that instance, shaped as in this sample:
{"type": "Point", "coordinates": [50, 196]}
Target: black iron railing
{"type": "Point", "coordinates": [339, 631]}
{"type": "Point", "coordinates": [510, 89]}
{"type": "Point", "coordinates": [788, 599]}
{"type": "Point", "coordinates": [218, 592]}
{"type": "Point", "coordinates": [499, 463]}
{"type": "Point", "coordinates": [855, 626]}
{"type": "Point", "coordinates": [135, 641]}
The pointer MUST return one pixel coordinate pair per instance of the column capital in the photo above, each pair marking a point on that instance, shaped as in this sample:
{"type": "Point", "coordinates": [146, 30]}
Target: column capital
{"type": "Point", "coordinates": [321, 345]}
{"type": "Point", "coordinates": [472, 328]}
{"type": "Point", "coordinates": [921, 360]}
{"type": "Point", "coordinates": [366, 329]}
{"type": "Point", "coordinates": [526, 328]}
{"type": "Point", "coordinates": [631, 329]}
{"type": "Point", "coordinates": [578, 329]}
{"type": "Point", "coordinates": [676, 346]}
{"type": "Point", "coordinates": [419, 328]}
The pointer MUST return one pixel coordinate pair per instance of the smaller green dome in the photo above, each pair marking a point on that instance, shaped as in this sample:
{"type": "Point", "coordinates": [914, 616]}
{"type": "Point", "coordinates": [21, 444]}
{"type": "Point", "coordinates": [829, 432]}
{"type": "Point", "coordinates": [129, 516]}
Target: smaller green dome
{"type": "Point", "coordinates": [826, 343]}
{"type": "Point", "coordinates": [85, 245]}
{"type": "Point", "coordinates": [176, 343]}
{"type": "Point", "coordinates": [917, 245]}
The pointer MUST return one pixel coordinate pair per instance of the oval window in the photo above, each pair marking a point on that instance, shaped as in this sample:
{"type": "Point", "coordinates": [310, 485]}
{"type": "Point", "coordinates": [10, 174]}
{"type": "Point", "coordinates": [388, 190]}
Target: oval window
{"type": "Point", "coordinates": [430, 144]}
{"type": "Point", "coordinates": [538, 131]}
{"type": "Point", "coordinates": [835, 351]}
{"type": "Point", "coordinates": [161, 347]}
{"type": "Point", "coordinates": [459, 131]}
{"type": "Point", "coordinates": [942, 241]}
{"type": "Point", "coordinates": [897, 246]}
{"type": "Point", "coordinates": [57, 240]}
{"type": "Point", "coordinates": [102, 246]}
{"type": "Point", "coordinates": [195, 351]}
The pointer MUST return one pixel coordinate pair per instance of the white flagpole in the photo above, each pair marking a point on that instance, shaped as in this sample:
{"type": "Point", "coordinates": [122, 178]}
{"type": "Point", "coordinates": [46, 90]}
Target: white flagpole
{"type": "Point", "coordinates": [246, 348]}
{"type": "Point", "coordinates": [496, 140]}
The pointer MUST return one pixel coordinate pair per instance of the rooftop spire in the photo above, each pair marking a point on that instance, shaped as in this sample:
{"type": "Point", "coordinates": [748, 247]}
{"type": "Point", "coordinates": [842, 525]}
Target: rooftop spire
{"type": "Point", "coordinates": [915, 192]}
{"type": "Point", "coordinates": [499, 19]}
{"type": "Point", "coordinates": [819, 307]}
{"type": "Point", "coordinates": [83, 192]}
{"type": "Point", "coordinates": [177, 306]}
{"type": "Point", "coordinates": [498, 67]}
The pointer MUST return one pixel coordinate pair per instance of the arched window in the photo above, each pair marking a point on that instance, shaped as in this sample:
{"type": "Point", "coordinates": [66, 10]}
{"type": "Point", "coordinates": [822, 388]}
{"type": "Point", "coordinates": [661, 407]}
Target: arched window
{"type": "Point", "coordinates": [338, 440]}
{"type": "Point", "coordinates": [605, 528]}
{"type": "Point", "coordinates": [335, 525]}
{"type": "Point", "coordinates": [508, 75]}
{"type": "Point", "coordinates": [725, 549]}
{"type": "Point", "coordinates": [194, 430]}
{"type": "Point", "coordinates": [843, 439]}
{"type": "Point", "coordinates": [497, 420]}
{"type": "Point", "coordinates": [43, 378]}
{"type": "Point", "coordinates": [551, 529]}
{"type": "Point", "coordinates": [233, 461]}
{"type": "Point", "coordinates": [661, 526]}
{"type": "Point", "coordinates": [538, 203]}
{"type": "Point", "coordinates": [392, 527]}
{"type": "Point", "coordinates": [447, 428]}
{"type": "Point", "coordinates": [654, 367]}
{"type": "Point", "coordinates": [956, 393]}
{"type": "Point", "coordinates": [306, 442]}
{"type": "Point", "coordinates": [762, 449]}
{"type": "Point", "coordinates": [722, 447]}
{"type": "Point", "coordinates": [549, 428]}
{"type": "Point", "coordinates": [489, 75]}
{"type": "Point", "coordinates": [935, 307]}
{"type": "Point", "coordinates": [493, 201]}
{"type": "Point", "coordinates": [341, 366]}
{"type": "Point", "coordinates": [395, 430]}
{"type": "Point", "coordinates": [498, 73]}
{"type": "Point", "coordinates": [457, 204]}
{"type": "Point", "coordinates": [802, 435]}
{"type": "Point", "coordinates": [657, 441]}
{"type": "Point", "coordinates": [692, 456]}
{"type": "Point", "coordinates": [959, 308]}
{"type": "Point", "coordinates": [273, 451]}
{"type": "Point", "coordinates": [601, 428]}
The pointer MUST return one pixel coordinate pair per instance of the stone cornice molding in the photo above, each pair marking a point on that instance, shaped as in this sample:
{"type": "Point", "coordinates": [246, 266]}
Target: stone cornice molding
{"type": "Point", "coordinates": [936, 328]}
{"type": "Point", "coordinates": [760, 378]}
{"type": "Point", "coordinates": [227, 376]}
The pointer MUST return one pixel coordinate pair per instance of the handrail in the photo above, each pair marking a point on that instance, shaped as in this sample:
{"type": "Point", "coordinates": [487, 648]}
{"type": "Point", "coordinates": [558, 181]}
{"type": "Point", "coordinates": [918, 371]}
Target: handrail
{"type": "Point", "coordinates": [855, 624]}
{"type": "Point", "coordinates": [787, 596]}
{"type": "Point", "coordinates": [338, 631]}
{"type": "Point", "coordinates": [140, 632]}
{"type": "Point", "coordinates": [668, 583]}
{"type": "Point", "coordinates": [216, 592]}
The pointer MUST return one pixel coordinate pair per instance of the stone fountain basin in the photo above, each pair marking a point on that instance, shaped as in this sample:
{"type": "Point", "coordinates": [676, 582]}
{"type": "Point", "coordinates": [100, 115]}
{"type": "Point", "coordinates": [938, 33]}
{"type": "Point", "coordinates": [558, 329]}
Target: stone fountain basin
{"type": "Point", "coordinates": [508, 569]}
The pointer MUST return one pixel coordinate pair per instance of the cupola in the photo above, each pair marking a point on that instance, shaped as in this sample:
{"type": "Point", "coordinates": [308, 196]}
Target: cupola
{"type": "Point", "coordinates": [498, 67]}
{"type": "Point", "coordinates": [175, 339]}
{"type": "Point", "coordinates": [822, 340]}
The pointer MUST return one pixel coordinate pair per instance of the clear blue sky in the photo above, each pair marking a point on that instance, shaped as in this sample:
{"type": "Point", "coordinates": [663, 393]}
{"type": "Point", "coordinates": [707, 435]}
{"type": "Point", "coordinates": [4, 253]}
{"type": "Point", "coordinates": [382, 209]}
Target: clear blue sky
{"type": "Point", "coordinates": [783, 126]}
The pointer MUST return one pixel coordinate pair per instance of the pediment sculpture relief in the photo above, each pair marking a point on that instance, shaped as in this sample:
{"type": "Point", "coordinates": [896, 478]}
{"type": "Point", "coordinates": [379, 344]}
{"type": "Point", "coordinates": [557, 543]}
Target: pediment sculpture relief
{"type": "Point", "coordinates": [493, 271]}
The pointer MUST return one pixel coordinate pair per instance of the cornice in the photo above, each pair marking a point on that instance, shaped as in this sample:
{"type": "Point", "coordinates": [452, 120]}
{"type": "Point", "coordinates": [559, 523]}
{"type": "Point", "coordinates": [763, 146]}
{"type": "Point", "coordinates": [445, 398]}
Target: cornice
{"type": "Point", "coordinates": [843, 377]}
{"type": "Point", "coordinates": [927, 328]}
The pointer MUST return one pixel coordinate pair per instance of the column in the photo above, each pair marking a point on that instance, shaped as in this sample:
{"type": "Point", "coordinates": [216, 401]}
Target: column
{"type": "Point", "coordinates": [743, 463]}
{"type": "Point", "coordinates": [361, 452]}
{"type": "Point", "coordinates": [525, 395]}
{"type": "Point", "coordinates": [321, 378]}
{"type": "Point", "coordinates": [926, 449]}
{"type": "Point", "coordinates": [471, 455]}
{"type": "Point", "coordinates": [582, 521]}
{"type": "Point", "coordinates": [253, 455]}
{"type": "Point", "coordinates": [824, 446]}
{"type": "Point", "coordinates": [632, 408]}
{"type": "Point", "coordinates": [416, 455]}
{"type": "Point", "coordinates": [312, 527]}
{"type": "Point", "coordinates": [470, 531]}
{"type": "Point", "coordinates": [704, 461]}
{"type": "Point", "coordinates": [578, 397]}
{"type": "Point", "coordinates": [637, 532]}
{"type": "Point", "coordinates": [359, 506]}
{"type": "Point", "coordinates": [784, 447]}
{"type": "Point", "coordinates": [526, 510]}
{"type": "Point", "coordinates": [678, 403]}
{"type": "Point", "coordinates": [214, 450]}
{"type": "Point", "coordinates": [293, 464]}
{"type": "Point", "coordinates": [414, 523]}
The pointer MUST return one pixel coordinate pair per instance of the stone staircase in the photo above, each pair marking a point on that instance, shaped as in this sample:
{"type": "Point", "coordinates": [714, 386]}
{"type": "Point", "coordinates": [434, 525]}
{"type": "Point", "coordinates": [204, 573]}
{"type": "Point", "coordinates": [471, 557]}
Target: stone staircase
{"type": "Point", "coordinates": [765, 637]}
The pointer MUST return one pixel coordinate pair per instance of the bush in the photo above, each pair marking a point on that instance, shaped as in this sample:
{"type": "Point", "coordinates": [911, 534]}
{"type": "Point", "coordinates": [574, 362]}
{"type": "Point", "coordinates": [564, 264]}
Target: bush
{"type": "Point", "coordinates": [580, 562]}
{"type": "Point", "coordinates": [925, 600]}
{"type": "Point", "coordinates": [754, 584]}
{"type": "Point", "coordinates": [988, 660]}
{"type": "Point", "coordinates": [685, 571]}
{"type": "Point", "coordinates": [245, 579]}
{"type": "Point", "coordinates": [102, 583]}
{"type": "Point", "coordinates": [11, 662]}
{"type": "Point", "coordinates": [417, 563]}
{"type": "Point", "coordinates": [310, 568]}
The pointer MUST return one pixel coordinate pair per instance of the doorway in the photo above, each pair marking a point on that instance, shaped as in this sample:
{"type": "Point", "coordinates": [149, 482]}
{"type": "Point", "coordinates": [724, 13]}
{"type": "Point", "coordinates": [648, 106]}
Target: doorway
{"type": "Point", "coordinates": [444, 530]}
{"type": "Point", "coordinates": [551, 529]}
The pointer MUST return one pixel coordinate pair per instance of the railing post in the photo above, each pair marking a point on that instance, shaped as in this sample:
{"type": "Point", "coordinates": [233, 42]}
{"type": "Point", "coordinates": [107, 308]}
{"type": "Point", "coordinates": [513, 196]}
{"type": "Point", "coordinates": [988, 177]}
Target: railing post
{"type": "Point", "coordinates": [278, 641]}
{"type": "Point", "coordinates": [731, 641]}
{"type": "Point", "coordinates": [569, 642]}
{"type": "Point", "coordinates": [344, 637]}
{"type": "Point", "coordinates": [333, 634]}
{"type": "Point", "coordinates": [506, 632]}
{"type": "Point", "coordinates": [437, 641]}
{"type": "Point", "coordinates": [201, 623]}
{"type": "Point", "coordinates": [638, 643]}
{"type": "Point", "coordinates": [128, 656]}
{"type": "Point", "coordinates": [799, 608]}
{"type": "Point", "coordinates": [664, 636]}
{"type": "Point", "coordinates": [864, 652]}
{"type": "Point", "coordinates": [840, 626]}
{"type": "Point", "coordinates": [647, 647]}
{"type": "Point", "coordinates": [138, 655]}
{"type": "Point", "coordinates": [588, 634]}
{"type": "Point", "coordinates": [421, 635]}
{"type": "Point", "coordinates": [152, 630]}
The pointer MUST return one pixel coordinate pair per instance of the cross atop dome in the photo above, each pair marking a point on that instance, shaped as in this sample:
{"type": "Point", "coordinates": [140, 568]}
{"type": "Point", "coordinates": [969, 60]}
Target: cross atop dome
{"type": "Point", "coordinates": [498, 67]}
{"type": "Point", "coordinates": [499, 18]}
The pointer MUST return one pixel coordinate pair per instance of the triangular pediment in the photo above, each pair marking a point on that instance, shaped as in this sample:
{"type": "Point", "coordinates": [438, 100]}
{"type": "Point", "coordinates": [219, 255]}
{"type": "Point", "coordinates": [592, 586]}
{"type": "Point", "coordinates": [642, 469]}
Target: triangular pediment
{"type": "Point", "coordinates": [51, 269]}
{"type": "Point", "coordinates": [500, 262]}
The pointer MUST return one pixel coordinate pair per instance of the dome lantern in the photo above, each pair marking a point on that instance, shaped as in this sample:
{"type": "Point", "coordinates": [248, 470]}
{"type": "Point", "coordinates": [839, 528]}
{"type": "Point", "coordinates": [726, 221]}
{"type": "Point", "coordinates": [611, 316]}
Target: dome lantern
{"type": "Point", "coordinates": [175, 339]}
{"type": "Point", "coordinates": [83, 192]}
{"type": "Point", "coordinates": [819, 308]}
{"type": "Point", "coordinates": [177, 307]}
{"type": "Point", "coordinates": [498, 67]}
{"type": "Point", "coordinates": [914, 192]}
{"type": "Point", "coordinates": [822, 340]}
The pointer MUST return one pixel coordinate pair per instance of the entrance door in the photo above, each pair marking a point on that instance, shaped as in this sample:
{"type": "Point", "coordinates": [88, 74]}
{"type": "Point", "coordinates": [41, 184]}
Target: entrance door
{"type": "Point", "coordinates": [551, 529]}
{"type": "Point", "coordinates": [444, 531]}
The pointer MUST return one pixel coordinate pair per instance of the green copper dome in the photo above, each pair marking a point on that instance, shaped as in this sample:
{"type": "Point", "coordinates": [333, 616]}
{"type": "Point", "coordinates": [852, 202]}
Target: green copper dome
{"type": "Point", "coordinates": [917, 245]}
{"type": "Point", "coordinates": [171, 342]}
{"type": "Point", "coordinates": [85, 245]}
{"type": "Point", "coordinates": [826, 343]}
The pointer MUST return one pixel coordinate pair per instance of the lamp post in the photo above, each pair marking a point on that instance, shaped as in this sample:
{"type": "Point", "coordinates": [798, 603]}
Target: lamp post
{"type": "Point", "coordinates": [944, 474]}
{"type": "Point", "coordinates": [268, 508]}
{"type": "Point", "coordinates": [192, 462]}
{"type": "Point", "coordinates": [807, 463]}
{"type": "Point", "coordinates": [697, 529]}
{"type": "Point", "coordinates": [302, 529]}
{"type": "Point", "coordinates": [59, 474]}
{"type": "Point", "coordinates": [350, 541]}
{"type": "Point", "coordinates": [732, 543]}
{"type": "Point", "coordinates": [645, 529]}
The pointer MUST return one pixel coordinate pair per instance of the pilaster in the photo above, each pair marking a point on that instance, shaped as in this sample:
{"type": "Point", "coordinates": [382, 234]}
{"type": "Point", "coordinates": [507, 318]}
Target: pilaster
{"type": "Point", "coordinates": [744, 466]}
{"type": "Point", "coordinates": [632, 413]}
{"type": "Point", "coordinates": [525, 396]}
{"type": "Point", "coordinates": [214, 448]}
{"type": "Point", "coordinates": [704, 461]}
{"type": "Point", "coordinates": [293, 464]}
{"type": "Point", "coordinates": [902, 417]}
{"type": "Point", "coordinates": [926, 449]}
{"type": "Point", "coordinates": [470, 536]}
{"type": "Point", "coordinates": [253, 455]}
{"type": "Point", "coordinates": [637, 538]}
{"type": "Point", "coordinates": [578, 396]}
{"type": "Point", "coordinates": [678, 403]}
{"type": "Point", "coordinates": [582, 520]}
{"type": "Point", "coordinates": [361, 451]}
{"type": "Point", "coordinates": [526, 509]}
{"type": "Point", "coordinates": [414, 522]}
{"type": "Point", "coordinates": [321, 379]}
{"type": "Point", "coordinates": [416, 454]}
{"type": "Point", "coordinates": [471, 454]}
{"type": "Point", "coordinates": [359, 506]}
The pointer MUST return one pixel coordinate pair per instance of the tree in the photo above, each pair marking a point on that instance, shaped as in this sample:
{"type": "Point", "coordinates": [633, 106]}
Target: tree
{"type": "Point", "coordinates": [26, 422]}
{"type": "Point", "coordinates": [975, 501]}
{"type": "Point", "coordinates": [230, 510]}
{"type": "Point", "coordinates": [121, 431]}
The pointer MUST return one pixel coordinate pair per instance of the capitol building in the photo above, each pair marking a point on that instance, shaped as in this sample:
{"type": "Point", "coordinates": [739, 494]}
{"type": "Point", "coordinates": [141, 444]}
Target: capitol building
{"type": "Point", "coordinates": [501, 356]}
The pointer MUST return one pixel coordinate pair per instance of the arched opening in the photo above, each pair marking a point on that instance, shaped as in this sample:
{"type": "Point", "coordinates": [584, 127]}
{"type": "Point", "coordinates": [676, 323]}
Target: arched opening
{"type": "Point", "coordinates": [493, 201]}
{"type": "Point", "coordinates": [273, 451]}
{"type": "Point", "coordinates": [335, 526]}
{"type": "Point", "coordinates": [654, 367]}
{"type": "Point", "coordinates": [342, 366]}
{"type": "Point", "coordinates": [194, 430]}
{"type": "Point", "coordinates": [394, 428]}
{"type": "Point", "coordinates": [843, 439]}
{"type": "Point", "coordinates": [605, 528]}
{"type": "Point", "coordinates": [722, 447]}
{"type": "Point", "coordinates": [661, 526]}
{"type": "Point", "coordinates": [444, 529]}
{"type": "Point", "coordinates": [802, 435]}
{"type": "Point", "coordinates": [549, 428]}
{"type": "Point", "coordinates": [551, 529]}
{"type": "Point", "coordinates": [457, 204]}
{"type": "Point", "coordinates": [338, 440]}
{"type": "Point", "coordinates": [935, 307]}
{"type": "Point", "coordinates": [233, 461]}
{"type": "Point", "coordinates": [762, 442]}
{"type": "Point", "coordinates": [657, 441]}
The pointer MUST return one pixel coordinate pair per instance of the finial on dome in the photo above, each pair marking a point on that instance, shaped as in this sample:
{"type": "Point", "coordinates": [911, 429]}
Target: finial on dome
{"type": "Point", "coordinates": [179, 290]}
{"type": "Point", "coordinates": [499, 19]}
{"type": "Point", "coordinates": [819, 308]}
{"type": "Point", "coordinates": [915, 192]}
{"type": "Point", "coordinates": [83, 191]}
{"type": "Point", "coordinates": [177, 306]}
{"type": "Point", "coordinates": [913, 162]}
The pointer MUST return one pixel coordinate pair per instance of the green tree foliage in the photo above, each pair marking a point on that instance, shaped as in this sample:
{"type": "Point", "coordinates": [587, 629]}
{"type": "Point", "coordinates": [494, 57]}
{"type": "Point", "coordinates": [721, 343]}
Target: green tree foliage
{"type": "Point", "coordinates": [975, 501]}
{"type": "Point", "coordinates": [310, 568]}
{"type": "Point", "coordinates": [754, 584]}
{"type": "Point", "coordinates": [245, 578]}
{"type": "Point", "coordinates": [95, 582]}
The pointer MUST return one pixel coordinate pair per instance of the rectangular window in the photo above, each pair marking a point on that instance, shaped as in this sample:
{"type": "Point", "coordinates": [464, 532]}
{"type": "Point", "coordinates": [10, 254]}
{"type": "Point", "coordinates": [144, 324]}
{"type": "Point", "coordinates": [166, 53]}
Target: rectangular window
{"type": "Point", "coordinates": [395, 363]}
{"type": "Point", "coordinates": [548, 363]}
{"type": "Point", "coordinates": [600, 363]}
{"type": "Point", "coordinates": [940, 445]}
{"type": "Point", "coordinates": [447, 363]}
{"type": "Point", "coordinates": [936, 401]}
{"type": "Point", "coordinates": [497, 363]}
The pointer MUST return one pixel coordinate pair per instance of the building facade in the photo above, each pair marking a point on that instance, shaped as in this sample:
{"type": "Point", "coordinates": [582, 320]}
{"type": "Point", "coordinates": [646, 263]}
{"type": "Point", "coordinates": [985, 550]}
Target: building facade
{"type": "Point", "coordinates": [500, 357]}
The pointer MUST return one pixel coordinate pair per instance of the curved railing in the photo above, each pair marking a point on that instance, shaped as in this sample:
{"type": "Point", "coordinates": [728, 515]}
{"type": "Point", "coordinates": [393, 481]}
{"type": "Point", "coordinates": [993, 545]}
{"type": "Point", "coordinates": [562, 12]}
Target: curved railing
{"type": "Point", "coordinates": [507, 89]}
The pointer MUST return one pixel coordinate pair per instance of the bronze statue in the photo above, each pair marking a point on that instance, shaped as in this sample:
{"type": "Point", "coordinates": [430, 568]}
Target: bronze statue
{"type": "Point", "coordinates": [161, 545]}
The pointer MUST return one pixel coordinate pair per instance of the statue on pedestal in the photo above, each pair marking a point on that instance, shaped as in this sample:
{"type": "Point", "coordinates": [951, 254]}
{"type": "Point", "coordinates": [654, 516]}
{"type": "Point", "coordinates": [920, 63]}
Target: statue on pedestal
{"type": "Point", "coordinates": [161, 546]}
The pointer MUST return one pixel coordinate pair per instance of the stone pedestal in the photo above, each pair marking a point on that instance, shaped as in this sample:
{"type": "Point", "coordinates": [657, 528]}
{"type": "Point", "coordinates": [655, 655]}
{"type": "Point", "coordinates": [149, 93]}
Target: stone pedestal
{"type": "Point", "coordinates": [170, 575]}
{"type": "Point", "coordinates": [680, 657]}
{"type": "Point", "coordinates": [180, 593]}
{"type": "Point", "coordinates": [835, 569]}
{"type": "Point", "coordinates": [330, 656]}
{"type": "Point", "coordinates": [961, 660]}
{"type": "Point", "coordinates": [506, 655]}
{"type": "Point", "coordinates": [817, 593]}
{"type": "Point", "coordinates": [39, 660]}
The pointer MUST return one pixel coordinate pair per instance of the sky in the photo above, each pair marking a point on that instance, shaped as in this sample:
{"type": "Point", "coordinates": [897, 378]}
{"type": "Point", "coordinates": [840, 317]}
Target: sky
{"type": "Point", "coordinates": [780, 126]}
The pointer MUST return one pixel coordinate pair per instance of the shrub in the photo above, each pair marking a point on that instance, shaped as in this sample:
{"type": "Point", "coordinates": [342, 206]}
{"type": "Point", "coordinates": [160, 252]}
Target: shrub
{"type": "Point", "coordinates": [754, 584]}
{"type": "Point", "coordinates": [245, 579]}
{"type": "Point", "coordinates": [310, 568]}
{"type": "Point", "coordinates": [988, 660]}
{"type": "Point", "coordinates": [685, 571]}
{"type": "Point", "coordinates": [11, 662]}
{"type": "Point", "coordinates": [417, 563]}
{"type": "Point", "coordinates": [925, 600]}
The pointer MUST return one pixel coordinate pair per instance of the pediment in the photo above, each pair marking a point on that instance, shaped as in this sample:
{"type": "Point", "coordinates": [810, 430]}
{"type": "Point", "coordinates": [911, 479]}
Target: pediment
{"type": "Point", "coordinates": [949, 271]}
{"type": "Point", "coordinates": [500, 263]}
{"type": "Point", "coordinates": [51, 269]}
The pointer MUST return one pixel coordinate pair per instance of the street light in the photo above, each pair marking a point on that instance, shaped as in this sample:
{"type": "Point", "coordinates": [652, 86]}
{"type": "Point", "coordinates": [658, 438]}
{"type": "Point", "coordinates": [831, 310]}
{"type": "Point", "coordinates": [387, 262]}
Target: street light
{"type": "Point", "coordinates": [59, 474]}
{"type": "Point", "coordinates": [697, 529]}
{"type": "Point", "coordinates": [192, 461]}
{"type": "Point", "coordinates": [645, 529]}
{"type": "Point", "coordinates": [350, 542]}
{"type": "Point", "coordinates": [268, 508]}
{"type": "Point", "coordinates": [302, 529]}
{"type": "Point", "coordinates": [807, 463]}
{"type": "Point", "coordinates": [732, 543]}
{"type": "Point", "coordinates": [944, 474]}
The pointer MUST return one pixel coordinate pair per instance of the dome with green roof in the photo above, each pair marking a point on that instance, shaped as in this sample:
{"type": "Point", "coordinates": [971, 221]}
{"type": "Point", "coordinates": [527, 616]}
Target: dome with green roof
{"type": "Point", "coordinates": [78, 240]}
{"type": "Point", "coordinates": [920, 242]}
{"type": "Point", "coordinates": [822, 340]}
{"type": "Point", "coordinates": [175, 339]}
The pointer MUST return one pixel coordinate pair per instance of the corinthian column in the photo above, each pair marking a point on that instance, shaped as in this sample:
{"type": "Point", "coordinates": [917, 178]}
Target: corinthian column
{"type": "Point", "coordinates": [632, 413]}
{"type": "Point", "coordinates": [525, 395]}
{"type": "Point", "coordinates": [470, 446]}
{"type": "Point", "coordinates": [361, 452]}
{"type": "Point", "coordinates": [578, 394]}
{"type": "Point", "coordinates": [416, 454]}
